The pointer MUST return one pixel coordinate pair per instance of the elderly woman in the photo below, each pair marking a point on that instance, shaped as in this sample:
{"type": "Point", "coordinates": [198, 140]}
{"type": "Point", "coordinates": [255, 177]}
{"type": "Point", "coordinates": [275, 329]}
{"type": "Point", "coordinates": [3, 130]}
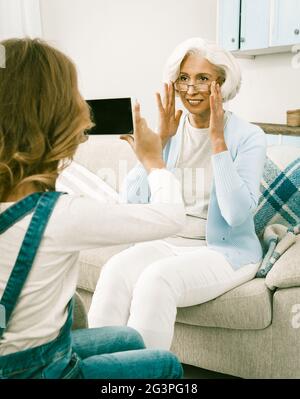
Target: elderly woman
{"type": "Point", "coordinates": [224, 156]}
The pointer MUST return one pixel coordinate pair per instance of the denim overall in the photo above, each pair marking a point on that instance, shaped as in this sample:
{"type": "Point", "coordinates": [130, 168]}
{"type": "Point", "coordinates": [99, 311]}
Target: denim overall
{"type": "Point", "coordinates": [54, 359]}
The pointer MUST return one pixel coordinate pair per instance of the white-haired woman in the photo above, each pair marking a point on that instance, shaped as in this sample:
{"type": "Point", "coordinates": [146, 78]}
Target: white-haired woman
{"type": "Point", "coordinates": [222, 157]}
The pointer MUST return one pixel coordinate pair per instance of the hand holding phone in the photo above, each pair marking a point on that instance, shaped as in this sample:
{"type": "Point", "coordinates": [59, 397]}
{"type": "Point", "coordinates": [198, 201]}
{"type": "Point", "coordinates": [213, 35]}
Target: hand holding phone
{"type": "Point", "coordinates": [146, 144]}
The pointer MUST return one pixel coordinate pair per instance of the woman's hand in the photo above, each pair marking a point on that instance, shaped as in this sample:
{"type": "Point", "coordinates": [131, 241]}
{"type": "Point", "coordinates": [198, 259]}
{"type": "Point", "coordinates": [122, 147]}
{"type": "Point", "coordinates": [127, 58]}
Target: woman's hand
{"type": "Point", "coordinates": [145, 143]}
{"type": "Point", "coordinates": [168, 118]}
{"type": "Point", "coordinates": [216, 124]}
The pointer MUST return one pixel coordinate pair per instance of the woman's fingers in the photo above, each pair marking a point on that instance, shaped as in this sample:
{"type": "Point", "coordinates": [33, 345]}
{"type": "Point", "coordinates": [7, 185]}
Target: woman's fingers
{"type": "Point", "coordinates": [167, 104]}
{"type": "Point", "coordinates": [165, 98]}
{"type": "Point", "coordinates": [213, 88]}
{"type": "Point", "coordinates": [212, 96]}
{"type": "Point", "coordinates": [178, 116]}
{"type": "Point", "coordinates": [219, 93]}
{"type": "Point", "coordinates": [212, 105]}
{"type": "Point", "coordinates": [171, 98]}
{"type": "Point", "coordinates": [216, 91]}
{"type": "Point", "coordinates": [215, 97]}
{"type": "Point", "coordinates": [159, 103]}
{"type": "Point", "coordinates": [217, 113]}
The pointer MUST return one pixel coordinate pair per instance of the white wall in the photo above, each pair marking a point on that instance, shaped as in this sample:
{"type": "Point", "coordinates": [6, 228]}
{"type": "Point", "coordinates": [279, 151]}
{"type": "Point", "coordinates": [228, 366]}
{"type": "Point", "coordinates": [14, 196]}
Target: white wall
{"type": "Point", "coordinates": [19, 18]}
{"type": "Point", "coordinates": [120, 46]}
{"type": "Point", "coordinates": [270, 87]}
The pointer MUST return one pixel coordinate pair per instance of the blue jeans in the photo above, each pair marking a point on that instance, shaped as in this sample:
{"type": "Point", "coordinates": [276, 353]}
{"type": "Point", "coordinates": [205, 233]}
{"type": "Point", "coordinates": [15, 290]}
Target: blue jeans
{"type": "Point", "coordinates": [119, 353]}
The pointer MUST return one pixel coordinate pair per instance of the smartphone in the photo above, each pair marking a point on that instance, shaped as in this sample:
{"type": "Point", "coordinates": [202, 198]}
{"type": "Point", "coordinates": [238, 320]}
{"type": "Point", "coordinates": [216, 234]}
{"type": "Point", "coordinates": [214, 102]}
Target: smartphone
{"type": "Point", "coordinates": [111, 116]}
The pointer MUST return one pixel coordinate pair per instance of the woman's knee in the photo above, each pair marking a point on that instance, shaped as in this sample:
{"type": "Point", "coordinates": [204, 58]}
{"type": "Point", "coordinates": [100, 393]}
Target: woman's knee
{"type": "Point", "coordinates": [155, 281]}
{"type": "Point", "coordinates": [151, 298]}
{"type": "Point", "coordinates": [122, 262]}
{"type": "Point", "coordinates": [115, 272]}
{"type": "Point", "coordinates": [129, 264]}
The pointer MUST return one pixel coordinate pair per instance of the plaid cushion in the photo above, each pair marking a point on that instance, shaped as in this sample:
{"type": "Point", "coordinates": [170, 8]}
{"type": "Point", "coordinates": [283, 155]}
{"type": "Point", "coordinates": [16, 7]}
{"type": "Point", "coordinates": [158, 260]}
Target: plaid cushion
{"type": "Point", "coordinates": [280, 189]}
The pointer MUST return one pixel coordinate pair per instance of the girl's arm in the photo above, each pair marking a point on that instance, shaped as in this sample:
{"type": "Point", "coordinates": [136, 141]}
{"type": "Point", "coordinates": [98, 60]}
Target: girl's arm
{"type": "Point", "coordinates": [85, 223]}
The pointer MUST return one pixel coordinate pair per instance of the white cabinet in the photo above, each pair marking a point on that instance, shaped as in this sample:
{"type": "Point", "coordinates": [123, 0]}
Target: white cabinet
{"type": "Point", "coordinates": [255, 24]}
{"type": "Point", "coordinates": [286, 22]}
{"type": "Point", "coordinates": [252, 27]}
{"type": "Point", "coordinates": [229, 24]}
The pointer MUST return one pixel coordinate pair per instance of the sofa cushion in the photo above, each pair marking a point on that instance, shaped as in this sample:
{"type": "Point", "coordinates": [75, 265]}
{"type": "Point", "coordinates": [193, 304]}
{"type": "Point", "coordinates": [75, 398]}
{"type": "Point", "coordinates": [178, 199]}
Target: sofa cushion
{"type": "Point", "coordinates": [286, 271]}
{"type": "Point", "coordinates": [247, 307]}
{"type": "Point", "coordinates": [280, 189]}
{"type": "Point", "coordinates": [90, 263]}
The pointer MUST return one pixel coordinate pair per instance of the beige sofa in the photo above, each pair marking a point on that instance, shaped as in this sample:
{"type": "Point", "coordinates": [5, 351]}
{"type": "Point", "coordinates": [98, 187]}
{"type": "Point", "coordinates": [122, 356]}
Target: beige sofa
{"type": "Point", "coordinates": [252, 331]}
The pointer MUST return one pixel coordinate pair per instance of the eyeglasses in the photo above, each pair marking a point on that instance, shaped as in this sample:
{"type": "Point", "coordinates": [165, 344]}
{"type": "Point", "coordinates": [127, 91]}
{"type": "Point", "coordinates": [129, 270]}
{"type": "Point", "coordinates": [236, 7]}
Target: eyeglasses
{"type": "Point", "coordinates": [199, 87]}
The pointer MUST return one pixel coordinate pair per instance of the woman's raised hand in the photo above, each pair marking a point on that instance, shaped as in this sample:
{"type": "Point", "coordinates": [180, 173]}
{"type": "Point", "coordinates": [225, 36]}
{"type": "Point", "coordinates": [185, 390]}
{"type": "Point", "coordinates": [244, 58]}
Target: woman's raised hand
{"type": "Point", "coordinates": [216, 124]}
{"type": "Point", "coordinates": [168, 117]}
{"type": "Point", "coordinates": [146, 144]}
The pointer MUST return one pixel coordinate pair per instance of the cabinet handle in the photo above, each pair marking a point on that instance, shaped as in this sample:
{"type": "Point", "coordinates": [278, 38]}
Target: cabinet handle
{"type": "Point", "coordinates": [233, 40]}
{"type": "Point", "coordinates": [243, 40]}
{"type": "Point", "coordinates": [296, 31]}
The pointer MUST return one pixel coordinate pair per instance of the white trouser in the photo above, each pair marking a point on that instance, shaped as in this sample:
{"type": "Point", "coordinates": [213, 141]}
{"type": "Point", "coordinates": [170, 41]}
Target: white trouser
{"type": "Point", "coordinates": [142, 286]}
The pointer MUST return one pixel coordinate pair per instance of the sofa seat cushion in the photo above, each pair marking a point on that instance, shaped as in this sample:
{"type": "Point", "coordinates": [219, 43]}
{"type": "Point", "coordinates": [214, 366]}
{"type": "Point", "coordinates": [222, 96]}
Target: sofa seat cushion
{"type": "Point", "coordinates": [91, 262]}
{"type": "Point", "coordinates": [247, 307]}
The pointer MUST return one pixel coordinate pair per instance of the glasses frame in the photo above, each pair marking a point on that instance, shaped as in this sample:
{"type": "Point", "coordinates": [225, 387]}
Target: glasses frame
{"type": "Point", "coordinates": [197, 87]}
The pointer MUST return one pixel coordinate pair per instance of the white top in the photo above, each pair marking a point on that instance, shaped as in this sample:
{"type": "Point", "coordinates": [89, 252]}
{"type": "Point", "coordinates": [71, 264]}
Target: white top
{"type": "Point", "coordinates": [194, 170]}
{"type": "Point", "coordinates": [77, 223]}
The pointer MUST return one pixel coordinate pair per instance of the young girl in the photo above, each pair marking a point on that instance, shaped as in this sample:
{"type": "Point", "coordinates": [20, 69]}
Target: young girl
{"type": "Point", "coordinates": [43, 119]}
{"type": "Point", "coordinates": [221, 158]}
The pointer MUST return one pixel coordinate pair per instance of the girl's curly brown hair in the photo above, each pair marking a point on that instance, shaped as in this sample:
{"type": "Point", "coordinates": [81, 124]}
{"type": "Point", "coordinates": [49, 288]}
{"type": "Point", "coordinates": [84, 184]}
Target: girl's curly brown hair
{"type": "Point", "coordinates": [43, 117]}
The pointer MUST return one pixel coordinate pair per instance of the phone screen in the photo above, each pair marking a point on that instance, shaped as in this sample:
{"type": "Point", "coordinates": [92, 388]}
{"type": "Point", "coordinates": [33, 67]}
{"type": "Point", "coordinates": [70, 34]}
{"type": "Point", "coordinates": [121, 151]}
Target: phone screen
{"type": "Point", "coordinates": [111, 116]}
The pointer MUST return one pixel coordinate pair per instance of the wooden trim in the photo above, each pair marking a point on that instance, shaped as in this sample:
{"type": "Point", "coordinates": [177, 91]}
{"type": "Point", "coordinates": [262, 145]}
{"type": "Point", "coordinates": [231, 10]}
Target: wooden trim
{"type": "Point", "coordinates": [274, 128]}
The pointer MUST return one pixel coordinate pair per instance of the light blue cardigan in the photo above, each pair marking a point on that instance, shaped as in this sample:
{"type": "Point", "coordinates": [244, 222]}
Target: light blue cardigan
{"type": "Point", "coordinates": [234, 193]}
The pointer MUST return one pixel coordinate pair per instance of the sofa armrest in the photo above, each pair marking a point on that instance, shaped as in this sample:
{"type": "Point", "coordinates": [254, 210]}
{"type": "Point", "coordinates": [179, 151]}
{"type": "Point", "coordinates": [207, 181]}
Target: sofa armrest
{"type": "Point", "coordinates": [286, 271]}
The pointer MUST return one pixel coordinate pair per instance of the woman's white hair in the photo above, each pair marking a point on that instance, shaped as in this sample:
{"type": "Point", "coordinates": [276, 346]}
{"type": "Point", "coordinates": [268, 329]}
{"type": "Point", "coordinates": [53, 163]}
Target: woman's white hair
{"type": "Point", "coordinates": [222, 59]}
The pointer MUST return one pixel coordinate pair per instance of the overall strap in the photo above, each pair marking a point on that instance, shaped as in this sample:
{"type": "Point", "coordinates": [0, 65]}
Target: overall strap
{"type": "Point", "coordinates": [45, 205]}
{"type": "Point", "coordinates": [17, 211]}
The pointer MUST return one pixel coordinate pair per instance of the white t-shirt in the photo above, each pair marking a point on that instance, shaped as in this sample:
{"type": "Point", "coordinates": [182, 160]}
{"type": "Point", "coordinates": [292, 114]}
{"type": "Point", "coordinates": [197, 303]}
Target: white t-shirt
{"type": "Point", "coordinates": [194, 170]}
{"type": "Point", "coordinates": [77, 223]}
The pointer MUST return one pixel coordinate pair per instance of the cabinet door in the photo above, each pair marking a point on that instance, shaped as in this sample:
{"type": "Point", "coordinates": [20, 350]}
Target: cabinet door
{"type": "Point", "coordinates": [255, 24]}
{"type": "Point", "coordinates": [229, 24]}
{"type": "Point", "coordinates": [286, 22]}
